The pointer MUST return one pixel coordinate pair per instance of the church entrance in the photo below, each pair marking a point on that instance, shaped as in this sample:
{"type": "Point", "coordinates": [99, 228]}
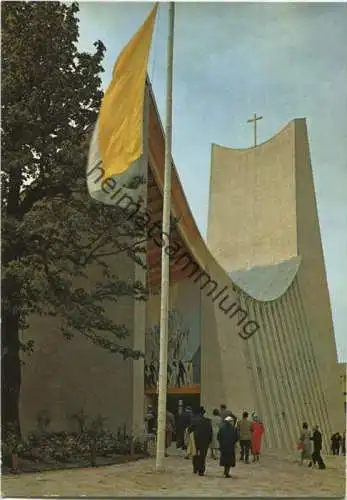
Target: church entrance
{"type": "Point", "coordinates": [188, 396]}
{"type": "Point", "coordinates": [173, 401]}
{"type": "Point", "coordinates": [184, 396]}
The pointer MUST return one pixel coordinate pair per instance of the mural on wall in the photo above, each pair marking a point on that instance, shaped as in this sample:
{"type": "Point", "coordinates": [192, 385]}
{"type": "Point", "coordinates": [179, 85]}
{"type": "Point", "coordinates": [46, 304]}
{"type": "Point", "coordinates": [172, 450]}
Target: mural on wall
{"type": "Point", "coordinates": [183, 352]}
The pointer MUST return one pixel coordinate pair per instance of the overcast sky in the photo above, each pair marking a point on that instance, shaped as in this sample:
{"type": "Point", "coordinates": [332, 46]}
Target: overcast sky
{"type": "Point", "coordinates": [282, 61]}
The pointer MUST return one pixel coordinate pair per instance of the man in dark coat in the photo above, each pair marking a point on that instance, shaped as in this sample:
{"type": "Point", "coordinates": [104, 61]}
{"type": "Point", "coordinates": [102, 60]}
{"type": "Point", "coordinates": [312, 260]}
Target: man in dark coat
{"type": "Point", "coordinates": [227, 437]}
{"type": "Point", "coordinates": [335, 443]}
{"type": "Point", "coordinates": [343, 449]}
{"type": "Point", "coordinates": [202, 430]}
{"type": "Point", "coordinates": [317, 447]}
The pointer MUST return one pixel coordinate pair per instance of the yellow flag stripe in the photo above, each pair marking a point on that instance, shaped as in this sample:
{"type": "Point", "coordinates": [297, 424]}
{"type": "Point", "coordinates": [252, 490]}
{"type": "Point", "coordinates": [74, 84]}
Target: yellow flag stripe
{"type": "Point", "coordinates": [122, 108]}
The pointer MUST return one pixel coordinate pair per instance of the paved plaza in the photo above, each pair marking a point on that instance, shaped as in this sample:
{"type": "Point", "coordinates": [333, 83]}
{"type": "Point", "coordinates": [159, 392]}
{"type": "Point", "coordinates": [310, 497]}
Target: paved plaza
{"type": "Point", "coordinates": [271, 477]}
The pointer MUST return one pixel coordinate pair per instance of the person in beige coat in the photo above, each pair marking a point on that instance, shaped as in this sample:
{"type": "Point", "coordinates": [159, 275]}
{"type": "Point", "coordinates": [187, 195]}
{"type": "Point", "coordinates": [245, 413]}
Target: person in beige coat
{"type": "Point", "coordinates": [245, 433]}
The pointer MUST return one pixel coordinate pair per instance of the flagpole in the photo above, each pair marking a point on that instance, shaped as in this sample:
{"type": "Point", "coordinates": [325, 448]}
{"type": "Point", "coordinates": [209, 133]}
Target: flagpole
{"type": "Point", "coordinates": [165, 263]}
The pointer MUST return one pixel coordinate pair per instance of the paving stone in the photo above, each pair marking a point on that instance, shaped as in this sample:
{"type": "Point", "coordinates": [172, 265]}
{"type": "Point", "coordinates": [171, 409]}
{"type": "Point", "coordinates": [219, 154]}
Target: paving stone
{"type": "Point", "coordinates": [274, 476]}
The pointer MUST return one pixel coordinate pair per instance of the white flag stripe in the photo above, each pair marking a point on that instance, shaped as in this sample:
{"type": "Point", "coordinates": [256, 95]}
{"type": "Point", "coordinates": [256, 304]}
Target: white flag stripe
{"type": "Point", "coordinates": [109, 191]}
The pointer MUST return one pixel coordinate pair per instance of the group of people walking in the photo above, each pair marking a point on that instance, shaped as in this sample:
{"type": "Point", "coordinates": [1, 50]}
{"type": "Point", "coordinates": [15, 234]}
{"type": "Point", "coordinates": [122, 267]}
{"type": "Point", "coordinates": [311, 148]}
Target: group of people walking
{"type": "Point", "coordinates": [219, 433]}
{"type": "Point", "coordinates": [310, 444]}
{"type": "Point", "coordinates": [198, 433]}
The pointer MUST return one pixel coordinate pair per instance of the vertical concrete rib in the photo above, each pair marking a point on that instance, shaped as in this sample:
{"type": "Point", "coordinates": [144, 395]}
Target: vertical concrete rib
{"type": "Point", "coordinates": [304, 356]}
{"type": "Point", "coordinates": [293, 377]}
{"type": "Point", "coordinates": [247, 354]}
{"type": "Point", "coordinates": [315, 371]}
{"type": "Point", "coordinates": [266, 352]}
{"type": "Point", "coordinates": [301, 368]}
{"type": "Point", "coordinates": [283, 379]}
{"type": "Point", "coordinates": [277, 369]}
{"type": "Point", "coordinates": [308, 355]}
{"type": "Point", "coordinates": [262, 398]}
{"type": "Point", "coordinates": [260, 338]}
{"type": "Point", "coordinates": [249, 351]}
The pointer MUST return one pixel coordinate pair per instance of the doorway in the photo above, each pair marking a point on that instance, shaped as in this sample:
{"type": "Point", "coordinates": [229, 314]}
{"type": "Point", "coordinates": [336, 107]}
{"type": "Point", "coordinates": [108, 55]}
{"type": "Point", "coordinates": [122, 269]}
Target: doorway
{"type": "Point", "coordinates": [192, 400]}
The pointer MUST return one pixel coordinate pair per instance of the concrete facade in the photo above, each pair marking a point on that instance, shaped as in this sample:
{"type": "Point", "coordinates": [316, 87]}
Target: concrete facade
{"type": "Point", "coordinates": [62, 377]}
{"type": "Point", "coordinates": [262, 219]}
{"type": "Point", "coordinates": [263, 263]}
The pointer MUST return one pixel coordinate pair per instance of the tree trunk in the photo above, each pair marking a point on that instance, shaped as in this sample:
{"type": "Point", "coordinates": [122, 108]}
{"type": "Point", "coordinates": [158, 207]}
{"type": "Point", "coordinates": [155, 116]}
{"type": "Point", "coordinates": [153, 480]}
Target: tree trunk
{"type": "Point", "coordinates": [10, 345]}
{"type": "Point", "coordinates": [15, 463]}
{"type": "Point", "coordinates": [10, 373]}
{"type": "Point", "coordinates": [93, 452]}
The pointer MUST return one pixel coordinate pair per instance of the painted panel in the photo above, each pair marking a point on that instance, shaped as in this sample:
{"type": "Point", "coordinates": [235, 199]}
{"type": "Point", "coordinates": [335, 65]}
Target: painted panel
{"type": "Point", "coordinates": [184, 338]}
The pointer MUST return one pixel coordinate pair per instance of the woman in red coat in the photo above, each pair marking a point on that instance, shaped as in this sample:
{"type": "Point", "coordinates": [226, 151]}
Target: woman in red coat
{"type": "Point", "coordinates": [257, 434]}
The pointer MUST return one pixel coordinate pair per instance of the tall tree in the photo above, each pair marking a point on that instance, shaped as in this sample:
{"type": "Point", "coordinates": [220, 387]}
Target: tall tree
{"type": "Point", "coordinates": [52, 232]}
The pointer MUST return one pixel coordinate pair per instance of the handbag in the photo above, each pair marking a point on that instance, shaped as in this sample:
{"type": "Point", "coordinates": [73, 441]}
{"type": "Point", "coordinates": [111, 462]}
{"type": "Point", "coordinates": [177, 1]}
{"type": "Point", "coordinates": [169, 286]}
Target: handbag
{"type": "Point", "coordinates": [191, 450]}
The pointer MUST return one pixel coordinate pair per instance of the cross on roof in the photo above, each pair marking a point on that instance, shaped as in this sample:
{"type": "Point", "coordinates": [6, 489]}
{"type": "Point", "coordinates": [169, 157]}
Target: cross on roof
{"type": "Point", "coordinates": [254, 120]}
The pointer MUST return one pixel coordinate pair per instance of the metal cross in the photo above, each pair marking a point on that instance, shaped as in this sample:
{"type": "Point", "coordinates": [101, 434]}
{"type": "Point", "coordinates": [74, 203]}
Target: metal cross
{"type": "Point", "coordinates": [254, 120]}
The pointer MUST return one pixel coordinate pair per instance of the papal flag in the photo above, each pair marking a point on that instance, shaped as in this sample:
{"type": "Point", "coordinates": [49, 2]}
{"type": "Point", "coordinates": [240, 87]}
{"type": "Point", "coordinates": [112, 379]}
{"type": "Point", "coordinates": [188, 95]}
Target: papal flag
{"type": "Point", "coordinates": [115, 160]}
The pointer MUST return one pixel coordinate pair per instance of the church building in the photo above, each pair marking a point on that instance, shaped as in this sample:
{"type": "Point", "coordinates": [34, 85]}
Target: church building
{"type": "Point", "coordinates": [250, 322]}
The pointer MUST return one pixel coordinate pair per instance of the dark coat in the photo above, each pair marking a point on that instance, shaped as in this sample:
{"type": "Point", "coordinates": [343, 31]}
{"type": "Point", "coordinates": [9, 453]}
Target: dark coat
{"type": "Point", "coordinates": [185, 419]}
{"type": "Point", "coordinates": [227, 437]}
{"type": "Point", "coordinates": [202, 428]}
{"type": "Point", "coordinates": [317, 440]}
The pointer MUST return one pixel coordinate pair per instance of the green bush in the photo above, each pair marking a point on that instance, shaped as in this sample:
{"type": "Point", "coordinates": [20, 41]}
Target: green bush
{"type": "Point", "coordinates": [92, 440]}
{"type": "Point", "coordinates": [72, 447]}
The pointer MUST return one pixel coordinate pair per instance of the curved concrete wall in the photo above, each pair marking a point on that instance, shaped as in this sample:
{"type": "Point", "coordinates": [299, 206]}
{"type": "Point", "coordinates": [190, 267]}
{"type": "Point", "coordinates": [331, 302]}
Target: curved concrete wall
{"type": "Point", "coordinates": [263, 213]}
{"type": "Point", "coordinates": [252, 213]}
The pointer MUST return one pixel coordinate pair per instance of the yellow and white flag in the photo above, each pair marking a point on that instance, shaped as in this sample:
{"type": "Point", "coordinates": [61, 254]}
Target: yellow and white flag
{"type": "Point", "coordinates": [116, 148]}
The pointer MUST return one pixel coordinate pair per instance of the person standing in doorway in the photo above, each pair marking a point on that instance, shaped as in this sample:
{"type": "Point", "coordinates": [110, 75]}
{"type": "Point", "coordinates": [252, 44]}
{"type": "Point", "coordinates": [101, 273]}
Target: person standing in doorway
{"type": "Point", "coordinates": [180, 426]}
{"type": "Point", "coordinates": [317, 447]}
{"type": "Point", "coordinates": [227, 437]}
{"type": "Point", "coordinates": [151, 419]}
{"type": "Point", "coordinates": [201, 428]}
{"type": "Point", "coordinates": [245, 433]}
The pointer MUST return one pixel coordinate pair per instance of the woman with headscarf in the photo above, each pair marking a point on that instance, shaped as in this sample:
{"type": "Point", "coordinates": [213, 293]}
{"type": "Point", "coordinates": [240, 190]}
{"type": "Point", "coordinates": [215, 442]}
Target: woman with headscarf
{"type": "Point", "coordinates": [227, 437]}
{"type": "Point", "coordinates": [257, 434]}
